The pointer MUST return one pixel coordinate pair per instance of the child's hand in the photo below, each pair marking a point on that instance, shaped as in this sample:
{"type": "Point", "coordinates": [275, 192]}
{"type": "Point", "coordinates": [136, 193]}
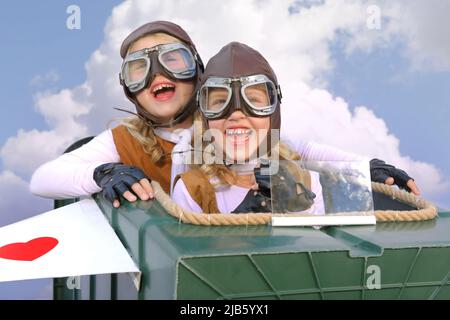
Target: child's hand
{"type": "Point", "coordinates": [382, 172]}
{"type": "Point", "coordinates": [117, 179]}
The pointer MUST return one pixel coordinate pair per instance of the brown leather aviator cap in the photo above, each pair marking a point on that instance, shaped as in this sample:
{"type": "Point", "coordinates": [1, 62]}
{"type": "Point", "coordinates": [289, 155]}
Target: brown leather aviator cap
{"type": "Point", "coordinates": [155, 27]}
{"type": "Point", "coordinates": [239, 60]}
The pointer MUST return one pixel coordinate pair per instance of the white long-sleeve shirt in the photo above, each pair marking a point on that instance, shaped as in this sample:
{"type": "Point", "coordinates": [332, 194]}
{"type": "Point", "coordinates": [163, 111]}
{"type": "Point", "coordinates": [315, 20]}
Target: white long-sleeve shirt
{"type": "Point", "coordinates": [71, 174]}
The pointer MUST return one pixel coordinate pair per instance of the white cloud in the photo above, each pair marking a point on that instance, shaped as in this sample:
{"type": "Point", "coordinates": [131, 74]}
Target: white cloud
{"type": "Point", "coordinates": [297, 45]}
{"type": "Point", "coordinates": [16, 202]}
{"type": "Point", "coordinates": [425, 25]}
{"type": "Point", "coordinates": [421, 26]}
{"type": "Point", "coordinates": [320, 117]}
{"type": "Point", "coordinates": [50, 77]}
{"type": "Point", "coordinates": [24, 152]}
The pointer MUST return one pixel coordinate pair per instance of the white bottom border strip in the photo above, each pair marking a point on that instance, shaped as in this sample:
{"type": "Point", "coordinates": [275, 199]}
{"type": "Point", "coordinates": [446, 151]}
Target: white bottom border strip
{"type": "Point", "coordinates": [323, 221]}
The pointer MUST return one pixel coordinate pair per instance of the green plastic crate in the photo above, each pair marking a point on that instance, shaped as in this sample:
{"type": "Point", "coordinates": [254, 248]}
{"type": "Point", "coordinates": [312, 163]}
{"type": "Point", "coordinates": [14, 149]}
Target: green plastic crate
{"type": "Point", "coordinates": [180, 261]}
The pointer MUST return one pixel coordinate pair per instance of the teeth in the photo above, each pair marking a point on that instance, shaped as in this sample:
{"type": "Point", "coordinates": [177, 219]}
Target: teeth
{"type": "Point", "coordinates": [232, 132]}
{"type": "Point", "coordinates": [162, 86]}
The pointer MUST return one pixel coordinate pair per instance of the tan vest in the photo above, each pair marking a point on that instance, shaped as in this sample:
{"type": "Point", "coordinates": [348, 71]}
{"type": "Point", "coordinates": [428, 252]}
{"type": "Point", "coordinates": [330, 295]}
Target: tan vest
{"type": "Point", "coordinates": [202, 191]}
{"type": "Point", "coordinates": [132, 153]}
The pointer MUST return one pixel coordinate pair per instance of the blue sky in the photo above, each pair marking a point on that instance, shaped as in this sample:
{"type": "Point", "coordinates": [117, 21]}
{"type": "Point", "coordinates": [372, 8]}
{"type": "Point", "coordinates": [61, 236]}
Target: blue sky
{"type": "Point", "coordinates": [413, 103]}
{"type": "Point", "coordinates": [36, 41]}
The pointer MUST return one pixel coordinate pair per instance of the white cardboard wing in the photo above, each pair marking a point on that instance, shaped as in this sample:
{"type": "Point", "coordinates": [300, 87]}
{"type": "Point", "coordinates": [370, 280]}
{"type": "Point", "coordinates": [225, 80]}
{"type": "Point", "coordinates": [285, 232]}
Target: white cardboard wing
{"type": "Point", "coordinates": [73, 240]}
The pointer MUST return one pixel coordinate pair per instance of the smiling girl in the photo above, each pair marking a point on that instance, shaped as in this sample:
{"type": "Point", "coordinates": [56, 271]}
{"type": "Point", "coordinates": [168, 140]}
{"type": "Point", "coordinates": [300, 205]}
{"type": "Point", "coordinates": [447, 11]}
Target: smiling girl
{"type": "Point", "coordinates": [160, 73]}
{"type": "Point", "coordinates": [240, 101]}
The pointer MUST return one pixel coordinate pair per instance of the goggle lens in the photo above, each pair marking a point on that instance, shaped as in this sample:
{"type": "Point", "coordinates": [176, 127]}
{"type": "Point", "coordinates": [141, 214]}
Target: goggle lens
{"type": "Point", "coordinates": [136, 70]}
{"type": "Point", "coordinates": [260, 96]}
{"type": "Point", "coordinates": [177, 61]}
{"type": "Point", "coordinates": [214, 99]}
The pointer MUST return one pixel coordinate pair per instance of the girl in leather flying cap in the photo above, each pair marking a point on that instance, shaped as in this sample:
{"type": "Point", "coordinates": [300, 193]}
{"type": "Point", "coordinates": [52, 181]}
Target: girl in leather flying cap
{"type": "Point", "coordinates": [240, 100]}
{"type": "Point", "coordinates": [160, 73]}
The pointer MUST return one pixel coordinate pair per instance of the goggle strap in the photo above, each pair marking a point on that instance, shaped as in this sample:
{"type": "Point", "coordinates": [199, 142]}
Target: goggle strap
{"type": "Point", "coordinates": [280, 95]}
{"type": "Point", "coordinates": [137, 115]}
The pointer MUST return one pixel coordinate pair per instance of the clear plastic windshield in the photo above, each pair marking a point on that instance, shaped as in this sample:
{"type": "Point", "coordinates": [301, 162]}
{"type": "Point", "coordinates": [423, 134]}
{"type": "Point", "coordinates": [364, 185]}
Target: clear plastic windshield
{"type": "Point", "coordinates": [321, 187]}
{"type": "Point", "coordinates": [316, 188]}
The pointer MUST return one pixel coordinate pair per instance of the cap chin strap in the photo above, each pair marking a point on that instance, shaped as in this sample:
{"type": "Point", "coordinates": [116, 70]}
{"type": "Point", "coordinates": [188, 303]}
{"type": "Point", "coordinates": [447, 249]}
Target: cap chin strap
{"type": "Point", "coordinates": [181, 115]}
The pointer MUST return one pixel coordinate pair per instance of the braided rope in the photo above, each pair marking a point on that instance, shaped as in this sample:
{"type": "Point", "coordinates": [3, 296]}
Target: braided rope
{"type": "Point", "coordinates": [425, 210]}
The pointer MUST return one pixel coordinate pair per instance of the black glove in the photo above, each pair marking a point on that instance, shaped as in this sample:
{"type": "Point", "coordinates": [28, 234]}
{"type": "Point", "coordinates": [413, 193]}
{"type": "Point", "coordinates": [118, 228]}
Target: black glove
{"type": "Point", "coordinates": [116, 178]}
{"type": "Point", "coordinates": [380, 171]}
{"type": "Point", "coordinates": [257, 200]}
{"type": "Point", "coordinates": [254, 201]}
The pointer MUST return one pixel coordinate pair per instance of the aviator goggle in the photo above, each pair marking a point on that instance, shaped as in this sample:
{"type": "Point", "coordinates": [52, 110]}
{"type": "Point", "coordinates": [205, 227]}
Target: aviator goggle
{"type": "Point", "coordinates": [255, 95]}
{"type": "Point", "coordinates": [176, 60]}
